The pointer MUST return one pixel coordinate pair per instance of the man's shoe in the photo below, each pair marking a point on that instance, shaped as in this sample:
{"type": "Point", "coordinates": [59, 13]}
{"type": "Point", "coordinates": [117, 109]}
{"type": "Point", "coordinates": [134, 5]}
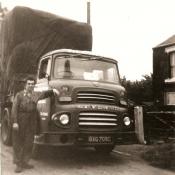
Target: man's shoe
{"type": "Point", "coordinates": [18, 169]}
{"type": "Point", "coordinates": [27, 166]}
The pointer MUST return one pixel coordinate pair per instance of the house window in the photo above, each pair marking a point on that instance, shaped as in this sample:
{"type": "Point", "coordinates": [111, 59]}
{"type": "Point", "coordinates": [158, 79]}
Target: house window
{"type": "Point", "coordinates": [172, 64]}
{"type": "Point", "coordinates": [170, 98]}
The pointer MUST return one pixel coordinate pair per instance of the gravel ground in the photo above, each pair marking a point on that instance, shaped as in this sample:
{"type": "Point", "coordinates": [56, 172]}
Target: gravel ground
{"type": "Point", "coordinates": [124, 160]}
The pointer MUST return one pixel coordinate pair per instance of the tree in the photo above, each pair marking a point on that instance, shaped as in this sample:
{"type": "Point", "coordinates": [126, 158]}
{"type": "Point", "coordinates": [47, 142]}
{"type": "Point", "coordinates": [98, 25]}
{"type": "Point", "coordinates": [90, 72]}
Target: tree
{"type": "Point", "coordinates": [139, 91]}
{"type": "Point", "coordinates": [3, 11]}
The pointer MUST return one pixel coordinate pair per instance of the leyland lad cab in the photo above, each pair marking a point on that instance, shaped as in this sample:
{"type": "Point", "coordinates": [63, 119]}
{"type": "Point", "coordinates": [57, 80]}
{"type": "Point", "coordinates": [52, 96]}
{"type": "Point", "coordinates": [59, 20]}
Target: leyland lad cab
{"type": "Point", "coordinates": [91, 108]}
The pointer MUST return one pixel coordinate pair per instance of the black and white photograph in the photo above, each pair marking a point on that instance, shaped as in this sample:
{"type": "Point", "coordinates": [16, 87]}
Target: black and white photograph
{"type": "Point", "coordinates": [87, 87]}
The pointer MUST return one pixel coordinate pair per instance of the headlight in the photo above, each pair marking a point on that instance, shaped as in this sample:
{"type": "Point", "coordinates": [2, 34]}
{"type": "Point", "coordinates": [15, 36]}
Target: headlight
{"type": "Point", "coordinates": [127, 121]}
{"type": "Point", "coordinates": [64, 119]}
{"type": "Point", "coordinates": [61, 119]}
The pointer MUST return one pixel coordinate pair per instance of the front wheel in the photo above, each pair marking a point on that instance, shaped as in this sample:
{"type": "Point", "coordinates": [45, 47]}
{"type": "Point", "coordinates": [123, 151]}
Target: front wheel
{"type": "Point", "coordinates": [105, 149]}
{"type": "Point", "coordinates": [6, 130]}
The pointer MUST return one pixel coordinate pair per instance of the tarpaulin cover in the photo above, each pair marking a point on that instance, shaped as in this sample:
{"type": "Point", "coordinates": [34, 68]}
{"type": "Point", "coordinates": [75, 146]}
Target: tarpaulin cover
{"type": "Point", "coordinates": [28, 34]}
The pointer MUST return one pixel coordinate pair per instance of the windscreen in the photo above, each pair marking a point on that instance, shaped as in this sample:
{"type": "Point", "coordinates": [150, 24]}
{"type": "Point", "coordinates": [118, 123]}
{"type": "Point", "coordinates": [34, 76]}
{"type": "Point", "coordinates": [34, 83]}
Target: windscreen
{"type": "Point", "coordinates": [91, 69]}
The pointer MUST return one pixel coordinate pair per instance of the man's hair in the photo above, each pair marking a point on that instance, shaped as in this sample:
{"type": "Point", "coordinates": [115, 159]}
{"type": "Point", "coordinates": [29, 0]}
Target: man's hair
{"type": "Point", "coordinates": [30, 78]}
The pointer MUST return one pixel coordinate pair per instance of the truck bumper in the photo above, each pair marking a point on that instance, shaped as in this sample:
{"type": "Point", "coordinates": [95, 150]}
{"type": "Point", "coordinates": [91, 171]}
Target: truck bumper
{"type": "Point", "coordinates": [85, 139]}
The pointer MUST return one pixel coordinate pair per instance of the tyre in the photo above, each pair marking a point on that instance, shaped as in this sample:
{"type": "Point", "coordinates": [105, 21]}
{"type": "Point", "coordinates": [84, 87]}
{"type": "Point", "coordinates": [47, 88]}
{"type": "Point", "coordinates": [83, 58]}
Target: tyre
{"type": "Point", "coordinates": [6, 128]}
{"type": "Point", "coordinates": [106, 149]}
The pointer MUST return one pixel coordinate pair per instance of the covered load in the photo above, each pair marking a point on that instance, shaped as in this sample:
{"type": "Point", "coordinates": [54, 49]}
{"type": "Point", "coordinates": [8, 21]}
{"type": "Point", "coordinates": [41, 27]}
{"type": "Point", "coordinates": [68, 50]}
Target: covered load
{"type": "Point", "coordinates": [27, 34]}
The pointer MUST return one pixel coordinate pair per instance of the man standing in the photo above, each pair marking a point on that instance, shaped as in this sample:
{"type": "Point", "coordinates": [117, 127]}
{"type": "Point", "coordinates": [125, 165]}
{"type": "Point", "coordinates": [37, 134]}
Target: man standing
{"type": "Point", "coordinates": [24, 114]}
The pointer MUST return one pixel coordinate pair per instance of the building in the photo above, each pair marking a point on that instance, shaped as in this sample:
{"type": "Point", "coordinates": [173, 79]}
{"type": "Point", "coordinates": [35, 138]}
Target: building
{"type": "Point", "coordinates": [159, 119]}
{"type": "Point", "coordinates": [164, 73]}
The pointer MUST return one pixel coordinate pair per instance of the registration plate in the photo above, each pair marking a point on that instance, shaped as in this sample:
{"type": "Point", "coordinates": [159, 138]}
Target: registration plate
{"type": "Point", "coordinates": [99, 139]}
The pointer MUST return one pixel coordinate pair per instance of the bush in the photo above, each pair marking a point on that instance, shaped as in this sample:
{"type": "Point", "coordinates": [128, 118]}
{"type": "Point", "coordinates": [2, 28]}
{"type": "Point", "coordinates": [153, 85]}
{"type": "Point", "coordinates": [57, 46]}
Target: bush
{"type": "Point", "coordinates": [139, 91]}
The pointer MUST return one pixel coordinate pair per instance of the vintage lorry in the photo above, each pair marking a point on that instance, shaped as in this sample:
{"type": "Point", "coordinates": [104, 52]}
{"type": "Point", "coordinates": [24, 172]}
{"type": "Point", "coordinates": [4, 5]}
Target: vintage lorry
{"type": "Point", "coordinates": [92, 108]}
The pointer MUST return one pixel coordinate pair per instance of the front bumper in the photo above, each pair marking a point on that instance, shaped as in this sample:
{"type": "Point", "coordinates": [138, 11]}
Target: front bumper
{"type": "Point", "coordinates": [82, 139]}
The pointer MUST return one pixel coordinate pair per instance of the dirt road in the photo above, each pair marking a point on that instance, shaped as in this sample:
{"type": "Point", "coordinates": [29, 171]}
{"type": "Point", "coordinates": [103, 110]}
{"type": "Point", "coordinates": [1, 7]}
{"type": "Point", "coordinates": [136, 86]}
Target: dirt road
{"type": "Point", "coordinates": [124, 160]}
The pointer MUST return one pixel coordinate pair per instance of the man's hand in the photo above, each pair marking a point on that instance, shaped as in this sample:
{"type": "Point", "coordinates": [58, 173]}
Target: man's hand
{"type": "Point", "coordinates": [56, 92]}
{"type": "Point", "coordinates": [15, 126]}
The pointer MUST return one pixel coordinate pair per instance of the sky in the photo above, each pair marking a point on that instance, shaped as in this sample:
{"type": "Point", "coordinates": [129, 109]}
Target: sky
{"type": "Point", "coordinates": [125, 30]}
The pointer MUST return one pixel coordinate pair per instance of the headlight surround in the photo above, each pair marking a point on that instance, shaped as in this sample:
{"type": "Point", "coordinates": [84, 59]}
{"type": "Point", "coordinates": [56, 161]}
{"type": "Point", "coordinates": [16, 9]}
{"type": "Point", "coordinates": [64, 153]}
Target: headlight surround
{"type": "Point", "coordinates": [61, 119]}
{"type": "Point", "coordinates": [126, 121]}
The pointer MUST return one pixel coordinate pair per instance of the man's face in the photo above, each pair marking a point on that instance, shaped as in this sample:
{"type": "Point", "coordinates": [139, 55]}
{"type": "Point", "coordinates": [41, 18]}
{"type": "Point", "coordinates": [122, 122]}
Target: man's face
{"type": "Point", "coordinates": [30, 85]}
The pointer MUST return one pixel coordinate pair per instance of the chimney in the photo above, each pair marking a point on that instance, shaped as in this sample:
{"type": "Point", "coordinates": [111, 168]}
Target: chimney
{"type": "Point", "coordinates": [88, 12]}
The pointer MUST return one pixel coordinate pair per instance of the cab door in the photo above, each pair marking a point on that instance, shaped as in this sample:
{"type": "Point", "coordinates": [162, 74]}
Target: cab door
{"type": "Point", "coordinates": [44, 105]}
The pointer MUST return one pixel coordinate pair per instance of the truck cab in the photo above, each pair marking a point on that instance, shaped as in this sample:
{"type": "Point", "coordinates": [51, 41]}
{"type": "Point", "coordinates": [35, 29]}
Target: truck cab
{"type": "Point", "coordinates": [91, 108]}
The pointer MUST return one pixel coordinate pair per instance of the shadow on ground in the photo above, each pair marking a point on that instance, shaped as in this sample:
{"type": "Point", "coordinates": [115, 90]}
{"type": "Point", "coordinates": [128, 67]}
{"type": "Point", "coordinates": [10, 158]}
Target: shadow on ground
{"type": "Point", "coordinates": [72, 157]}
{"type": "Point", "coordinates": [161, 155]}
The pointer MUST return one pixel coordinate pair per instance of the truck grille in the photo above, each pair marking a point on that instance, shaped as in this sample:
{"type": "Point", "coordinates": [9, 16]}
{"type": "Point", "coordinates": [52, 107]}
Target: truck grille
{"type": "Point", "coordinates": [96, 97]}
{"type": "Point", "coordinates": [97, 120]}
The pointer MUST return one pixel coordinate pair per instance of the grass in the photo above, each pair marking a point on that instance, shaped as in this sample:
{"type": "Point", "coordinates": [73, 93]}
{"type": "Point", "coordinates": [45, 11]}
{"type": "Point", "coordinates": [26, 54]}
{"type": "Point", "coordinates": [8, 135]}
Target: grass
{"type": "Point", "coordinates": [161, 155]}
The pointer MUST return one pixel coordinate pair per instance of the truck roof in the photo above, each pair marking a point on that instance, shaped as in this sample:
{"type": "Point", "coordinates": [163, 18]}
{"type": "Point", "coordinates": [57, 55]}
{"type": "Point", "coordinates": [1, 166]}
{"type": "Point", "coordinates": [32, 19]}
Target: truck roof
{"type": "Point", "coordinates": [70, 51]}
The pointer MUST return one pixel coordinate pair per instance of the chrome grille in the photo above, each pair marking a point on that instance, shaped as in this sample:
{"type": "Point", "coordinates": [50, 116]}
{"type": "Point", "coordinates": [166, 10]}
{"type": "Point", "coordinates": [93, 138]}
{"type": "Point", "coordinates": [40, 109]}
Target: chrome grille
{"type": "Point", "coordinates": [96, 97]}
{"type": "Point", "coordinates": [97, 120]}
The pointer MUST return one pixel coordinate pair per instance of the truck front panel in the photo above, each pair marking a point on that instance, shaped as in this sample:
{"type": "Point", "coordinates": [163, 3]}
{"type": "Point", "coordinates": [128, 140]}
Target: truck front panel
{"type": "Point", "coordinates": [91, 108]}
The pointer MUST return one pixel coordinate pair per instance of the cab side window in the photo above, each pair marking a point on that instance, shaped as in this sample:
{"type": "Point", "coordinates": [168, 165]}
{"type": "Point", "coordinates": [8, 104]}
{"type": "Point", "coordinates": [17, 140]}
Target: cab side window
{"type": "Point", "coordinates": [43, 69]}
